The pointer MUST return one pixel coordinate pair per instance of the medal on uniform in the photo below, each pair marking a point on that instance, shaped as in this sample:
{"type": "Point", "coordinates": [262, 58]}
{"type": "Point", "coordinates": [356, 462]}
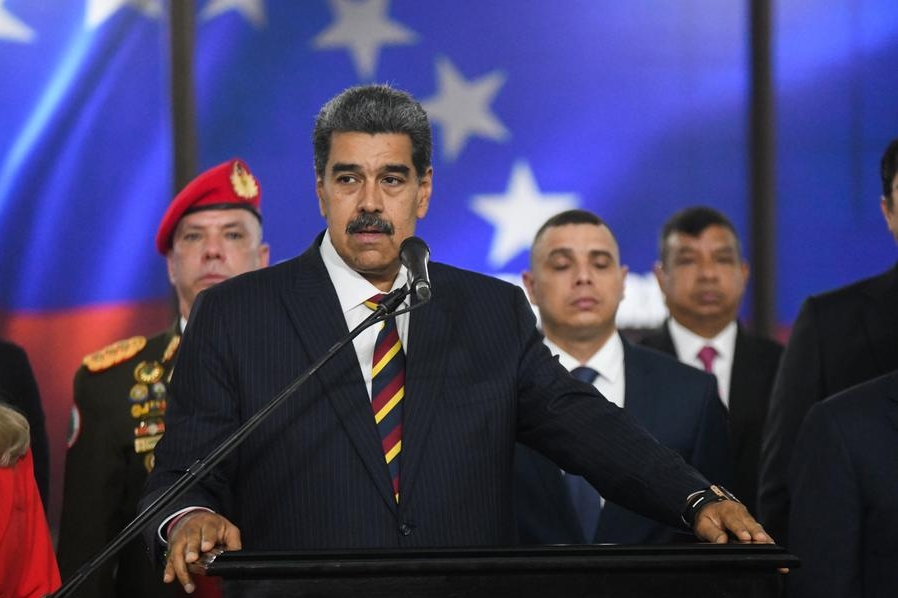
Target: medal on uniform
{"type": "Point", "coordinates": [139, 392]}
{"type": "Point", "coordinates": [148, 372]}
{"type": "Point", "coordinates": [158, 390]}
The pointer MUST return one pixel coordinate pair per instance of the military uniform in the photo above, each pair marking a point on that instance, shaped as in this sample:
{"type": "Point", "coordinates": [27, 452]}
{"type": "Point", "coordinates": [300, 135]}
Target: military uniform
{"type": "Point", "coordinates": [120, 401]}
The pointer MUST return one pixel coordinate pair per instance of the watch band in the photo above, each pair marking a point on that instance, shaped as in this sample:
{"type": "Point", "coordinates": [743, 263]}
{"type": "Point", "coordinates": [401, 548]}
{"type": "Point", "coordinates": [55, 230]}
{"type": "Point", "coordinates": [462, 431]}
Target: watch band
{"type": "Point", "coordinates": [702, 498]}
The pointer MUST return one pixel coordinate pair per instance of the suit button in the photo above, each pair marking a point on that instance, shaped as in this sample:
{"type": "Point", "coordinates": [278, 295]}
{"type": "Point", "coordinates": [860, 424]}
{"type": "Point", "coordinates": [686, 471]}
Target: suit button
{"type": "Point", "coordinates": [405, 529]}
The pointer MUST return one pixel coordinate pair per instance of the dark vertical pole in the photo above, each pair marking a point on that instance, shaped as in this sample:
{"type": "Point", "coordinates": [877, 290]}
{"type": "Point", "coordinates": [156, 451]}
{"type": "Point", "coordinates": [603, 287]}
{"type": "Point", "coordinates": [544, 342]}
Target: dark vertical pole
{"type": "Point", "coordinates": [762, 169]}
{"type": "Point", "coordinates": [181, 21]}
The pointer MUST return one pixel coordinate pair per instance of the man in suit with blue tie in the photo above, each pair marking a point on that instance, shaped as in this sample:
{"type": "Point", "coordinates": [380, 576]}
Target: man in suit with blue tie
{"type": "Point", "coordinates": [576, 281]}
{"type": "Point", "coordinates": [476, 378]}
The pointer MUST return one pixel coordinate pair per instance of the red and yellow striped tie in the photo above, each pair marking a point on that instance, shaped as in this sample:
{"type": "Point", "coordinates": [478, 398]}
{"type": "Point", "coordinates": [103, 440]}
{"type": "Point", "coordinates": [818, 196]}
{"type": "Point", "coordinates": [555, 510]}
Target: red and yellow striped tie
{"type": "Point", "coordinates": [387, 391]}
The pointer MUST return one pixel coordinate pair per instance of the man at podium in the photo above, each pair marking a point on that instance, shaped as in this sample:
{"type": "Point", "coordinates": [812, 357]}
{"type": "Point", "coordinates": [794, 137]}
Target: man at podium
{"type": "Point", "coordinates": [406, 438]}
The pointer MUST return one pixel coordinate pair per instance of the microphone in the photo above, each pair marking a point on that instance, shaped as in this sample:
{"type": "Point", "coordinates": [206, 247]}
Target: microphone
{"type": "Point", "coordinates": [414, 254]}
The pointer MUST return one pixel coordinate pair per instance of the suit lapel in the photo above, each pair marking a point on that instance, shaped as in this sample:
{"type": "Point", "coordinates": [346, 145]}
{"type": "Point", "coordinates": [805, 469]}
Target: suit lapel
{"type": "Point", "coordinates": [637, 390]}
{"type": "Point", "coordinates": [893, 395]}
{"type": "Point", "coordinates": [744, 391]}
{"type": "Point", "coordinates": [314, 309]}
{"type": "Point", "coordinates": [429, 336]}
{"type": "Point", "coordinates": [881, 320]}
{"type": "Point", "coordinates": [665, 340]}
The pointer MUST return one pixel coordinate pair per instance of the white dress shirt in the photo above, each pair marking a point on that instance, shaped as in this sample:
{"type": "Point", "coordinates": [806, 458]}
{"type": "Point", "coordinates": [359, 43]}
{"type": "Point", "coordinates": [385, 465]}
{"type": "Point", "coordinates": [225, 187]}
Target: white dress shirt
{"type": "Point", "coordinates": [608, 362]}
{"type": "Point", "coordinates": [352, 292]}
{"type": "Point", "coordinates": [688, 344]}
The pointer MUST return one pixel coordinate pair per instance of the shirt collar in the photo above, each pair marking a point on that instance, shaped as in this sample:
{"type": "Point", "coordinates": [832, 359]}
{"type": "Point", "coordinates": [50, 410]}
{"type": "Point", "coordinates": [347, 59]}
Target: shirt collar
{"type": "Point", "coordinates": [608, 361]}
{"type": "Point", "coordinates": [688, 343]}
{"type": "Point", "coordinates": [352, 288]}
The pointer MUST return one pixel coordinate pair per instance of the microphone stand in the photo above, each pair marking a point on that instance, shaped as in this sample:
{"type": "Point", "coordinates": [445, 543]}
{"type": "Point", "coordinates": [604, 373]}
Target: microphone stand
{"type": "Point", "coordinates": [201, 467]}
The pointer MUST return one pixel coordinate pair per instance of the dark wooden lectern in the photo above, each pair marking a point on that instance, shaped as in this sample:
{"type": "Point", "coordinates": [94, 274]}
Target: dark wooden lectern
{"type": "Point", "coordinates": [681, 571]}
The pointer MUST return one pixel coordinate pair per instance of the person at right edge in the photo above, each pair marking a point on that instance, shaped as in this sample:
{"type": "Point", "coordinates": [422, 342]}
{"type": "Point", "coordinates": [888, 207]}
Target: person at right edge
{"type": "Point", "coordinates": [844, 471]}
{"type": "Point", "coordinates": [466, 376]}
{"type": "Point", "coordinates": [840, 338]}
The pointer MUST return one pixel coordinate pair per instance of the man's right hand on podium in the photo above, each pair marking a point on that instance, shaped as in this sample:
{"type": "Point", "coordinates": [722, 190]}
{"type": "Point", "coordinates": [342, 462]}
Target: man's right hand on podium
{"type": "Point", "coordinates": [193, 534]}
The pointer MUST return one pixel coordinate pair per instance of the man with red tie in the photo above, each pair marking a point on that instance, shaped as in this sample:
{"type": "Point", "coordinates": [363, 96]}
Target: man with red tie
{"type": "Point", "coordinates": [702, 274]}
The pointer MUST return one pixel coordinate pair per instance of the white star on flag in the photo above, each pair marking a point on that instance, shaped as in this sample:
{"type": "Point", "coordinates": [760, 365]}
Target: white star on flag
{"type": "Point", "coordinates": [362, 28]}
{"type": "Point", "coordinates": [462, 108]}
{"type": "Point", "coordinates": [12, 28]}
{"type": "Point", "coordinates": [518, 213]}
{"type": "Point", "coordinates": [252, 10]}
{"type": "Point", "coordinates": [100, 10]}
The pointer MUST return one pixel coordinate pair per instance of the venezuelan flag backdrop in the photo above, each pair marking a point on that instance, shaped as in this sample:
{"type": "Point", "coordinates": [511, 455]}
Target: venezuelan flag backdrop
{"type": "Point", "coordinates": [632, 109]}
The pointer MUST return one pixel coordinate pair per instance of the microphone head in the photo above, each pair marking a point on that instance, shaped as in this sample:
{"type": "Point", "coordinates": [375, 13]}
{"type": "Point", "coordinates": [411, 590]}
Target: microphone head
{"type": "Point", "coordinates": [412, 247]}
{"type": "Point", "coordinates": [414, 254]}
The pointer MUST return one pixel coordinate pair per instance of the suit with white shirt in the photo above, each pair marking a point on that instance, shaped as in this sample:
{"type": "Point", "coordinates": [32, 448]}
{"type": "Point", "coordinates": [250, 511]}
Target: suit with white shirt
{"type": "Point", "coordinates": [313, 476]}
{"type": "Point", "coordinates": [745, 367]}
{"type": "Point", "coordinates": [676, 404]}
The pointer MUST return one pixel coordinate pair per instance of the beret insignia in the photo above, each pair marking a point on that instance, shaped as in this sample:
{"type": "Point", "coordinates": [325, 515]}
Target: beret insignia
{"type": "Point", "coordinates": [113, 354]}
{"type": "Point", "coordinates": [243, 182]}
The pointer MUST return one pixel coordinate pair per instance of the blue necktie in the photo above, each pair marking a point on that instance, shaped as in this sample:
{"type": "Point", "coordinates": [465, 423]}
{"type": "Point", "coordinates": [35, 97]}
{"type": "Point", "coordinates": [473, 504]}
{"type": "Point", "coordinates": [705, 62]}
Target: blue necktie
{"type": "Point", "coordinates": [586, 499]}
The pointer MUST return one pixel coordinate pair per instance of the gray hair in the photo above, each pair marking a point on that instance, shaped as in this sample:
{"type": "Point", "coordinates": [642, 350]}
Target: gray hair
{"type": "Point", "coordinates": [373, 109]}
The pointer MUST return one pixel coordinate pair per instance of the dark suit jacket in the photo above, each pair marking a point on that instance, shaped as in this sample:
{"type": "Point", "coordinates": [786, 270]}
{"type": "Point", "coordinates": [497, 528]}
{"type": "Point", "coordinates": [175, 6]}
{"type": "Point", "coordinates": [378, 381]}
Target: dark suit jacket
{"type": "Point", "coordinates": [313, 476]}
{"type": "Point", "coordinates": [679, 406]}
{"type": "Point", "coordinates": [105, 474]}
{"type": "Point", "coordinates": [18, 388]}
{"type": "Point", "coordinates": [755, 363]}
{"type": "Point", "coordinates": [840, 339]}
{"type": "Point", "coordinates": [844, 495]}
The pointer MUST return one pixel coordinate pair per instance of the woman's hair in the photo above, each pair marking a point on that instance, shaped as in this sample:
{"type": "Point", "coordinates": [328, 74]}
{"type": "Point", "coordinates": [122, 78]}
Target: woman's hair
{"type": "Point", "coordinates": [14, 435]}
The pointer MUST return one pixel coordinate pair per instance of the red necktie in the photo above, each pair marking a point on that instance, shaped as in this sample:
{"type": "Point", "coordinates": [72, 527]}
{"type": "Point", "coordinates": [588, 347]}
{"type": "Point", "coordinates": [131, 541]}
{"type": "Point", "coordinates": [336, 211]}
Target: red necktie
{"type": "Point", "coordinates": [387, 391]}
{"type": "Point", "coordinates": [706, 356]}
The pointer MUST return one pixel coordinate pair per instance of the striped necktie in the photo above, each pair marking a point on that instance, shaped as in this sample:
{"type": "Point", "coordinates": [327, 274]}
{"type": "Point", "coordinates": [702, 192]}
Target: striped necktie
{"type": "Point", "coordinates": [586, 500]}
{"type": "Point", "coordinates": [388, 390]}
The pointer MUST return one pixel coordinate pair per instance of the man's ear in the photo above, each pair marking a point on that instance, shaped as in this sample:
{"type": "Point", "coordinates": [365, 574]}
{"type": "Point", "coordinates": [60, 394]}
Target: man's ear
{"type": "Point", "coordinates": [660, 276]}
{"type": "Point", "coordinates": [527, 279]}
{"type": "Point", "coordinates": [170, 266]}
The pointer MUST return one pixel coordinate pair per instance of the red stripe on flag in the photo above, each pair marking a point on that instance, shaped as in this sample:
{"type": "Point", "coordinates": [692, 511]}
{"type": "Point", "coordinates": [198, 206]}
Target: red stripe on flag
{"type": "Point", "coordinates": [56, 342]}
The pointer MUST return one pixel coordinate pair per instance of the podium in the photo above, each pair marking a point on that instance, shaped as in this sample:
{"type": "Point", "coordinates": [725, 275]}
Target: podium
{"type": "Point", "coordinates": [676, 571]}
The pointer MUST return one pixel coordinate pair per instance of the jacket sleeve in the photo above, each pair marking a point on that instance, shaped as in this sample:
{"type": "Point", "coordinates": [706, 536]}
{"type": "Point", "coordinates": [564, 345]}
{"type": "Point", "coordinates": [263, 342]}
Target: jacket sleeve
{"type": "Point", "coordinates": [92, 491]}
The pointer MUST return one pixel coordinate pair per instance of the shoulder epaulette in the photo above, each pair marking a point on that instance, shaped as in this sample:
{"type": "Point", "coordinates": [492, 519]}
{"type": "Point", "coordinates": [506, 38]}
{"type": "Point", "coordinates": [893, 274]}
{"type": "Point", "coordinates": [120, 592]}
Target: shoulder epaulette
{"type": "Point", "coordinates": [115, 353]}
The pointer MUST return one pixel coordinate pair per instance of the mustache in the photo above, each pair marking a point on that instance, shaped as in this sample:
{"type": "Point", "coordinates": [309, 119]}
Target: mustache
{"type": "Point", "coordinates": [369, 222]}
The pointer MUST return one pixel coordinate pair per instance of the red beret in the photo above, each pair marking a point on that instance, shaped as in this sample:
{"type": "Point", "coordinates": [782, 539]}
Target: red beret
{"type": "Point", "coordinates": [228, 185]}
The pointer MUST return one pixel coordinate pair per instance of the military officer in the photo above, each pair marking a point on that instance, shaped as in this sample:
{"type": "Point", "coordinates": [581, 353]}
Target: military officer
{"type": "Point", "coordinates": [211, 231]}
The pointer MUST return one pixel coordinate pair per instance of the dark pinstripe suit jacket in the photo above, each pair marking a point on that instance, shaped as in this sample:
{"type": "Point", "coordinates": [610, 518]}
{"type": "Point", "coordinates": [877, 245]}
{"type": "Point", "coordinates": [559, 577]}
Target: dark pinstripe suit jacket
{"type": "Point", "coordinates": [313, 476]}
